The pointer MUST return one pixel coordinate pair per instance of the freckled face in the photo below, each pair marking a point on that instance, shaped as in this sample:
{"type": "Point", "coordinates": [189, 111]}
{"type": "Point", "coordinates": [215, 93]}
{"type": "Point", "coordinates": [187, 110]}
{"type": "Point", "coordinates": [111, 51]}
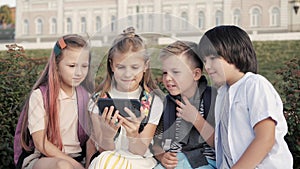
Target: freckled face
{"type": "Point", "coordinates": [128, 70]}
{"type": "Point", "coordinates": [73, 67]}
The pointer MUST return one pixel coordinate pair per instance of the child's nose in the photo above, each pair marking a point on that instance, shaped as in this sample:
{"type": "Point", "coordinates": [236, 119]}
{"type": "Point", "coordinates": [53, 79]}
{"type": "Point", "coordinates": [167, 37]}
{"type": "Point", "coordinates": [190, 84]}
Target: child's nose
{"type": "Point", "coordinates": [207, 64]}
{"type": "Point", "coordinates": [128, 73]}
{"type": "Point", "coordinates": [168, 77]}
{"type": "Point", "coordinates": [78, 71]}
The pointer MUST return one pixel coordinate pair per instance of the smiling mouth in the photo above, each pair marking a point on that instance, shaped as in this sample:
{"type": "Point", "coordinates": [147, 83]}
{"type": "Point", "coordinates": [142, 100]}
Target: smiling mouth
{"type": "Point", "coordinates": [171, 86]}
{"type": "Point", "coordinates": [76, 79]}
{"type": "Point", "coordinates": [127, 80]}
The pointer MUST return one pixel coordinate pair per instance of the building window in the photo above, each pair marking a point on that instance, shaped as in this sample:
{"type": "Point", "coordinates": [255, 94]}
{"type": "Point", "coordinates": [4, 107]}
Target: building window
{"type": "Point", "coordinates": [26, 27]}
{"type": "Point", "coordinates": [255, 17]}
{"type": "Point", "coordinates": [83, 25]}
{"type": "Point", "coordinates": [237, 17]}
{"type": "Point", "coordinates": [39, 27]}
{"type": "Point", "coordinates": [113, 23]}
{"type": "Point", "coordinates": [219, 18]}
{"type": "Point", "coordinates": [98, 24]}
{"type": "Point", "coordinates": [130, 20]}
{"type": "Point", "coordinates": [53, 26]}
{"type": "Point", "coordinates": [140, 22]}
{"type": "Point", "coordinates": [69, 25]}
{"type": "Point", "coordinates": [275, 17]}
{"type": "Point", "coordinates": [184, 21]}
{"type": "Point", "coordinates": [201, 20]}
{"type": "Point", "coordinates": [167, 22]}
{"type": "Point", "coordinates": [150, 22]}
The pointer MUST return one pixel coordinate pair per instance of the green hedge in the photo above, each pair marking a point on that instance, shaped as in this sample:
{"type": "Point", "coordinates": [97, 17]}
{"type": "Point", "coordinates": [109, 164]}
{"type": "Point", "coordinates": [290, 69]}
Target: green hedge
{"type": "Point", "coordinates": [19, 69]}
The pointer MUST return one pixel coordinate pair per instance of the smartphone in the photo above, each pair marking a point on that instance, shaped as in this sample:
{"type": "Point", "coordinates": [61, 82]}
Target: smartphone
{"type": "Point", "coordinates": [119, 104]}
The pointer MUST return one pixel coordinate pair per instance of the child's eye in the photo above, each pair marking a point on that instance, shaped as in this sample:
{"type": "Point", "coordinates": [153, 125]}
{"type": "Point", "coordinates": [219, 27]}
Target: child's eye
{"type": "Point", "coordinates": [176, 72]}
{"type": "Point", "coordinates": [135, 67]}
{"type": "Point", "coordinates": [73, 65]}
{"type": "Point", "coordinates": [213, 57]}
{"type": "Point", "coordinates": [165, 73]}
{"type": "Point", "coordinates": [120, 67]}
{"type": "Point", "coordinates": [85, 66]}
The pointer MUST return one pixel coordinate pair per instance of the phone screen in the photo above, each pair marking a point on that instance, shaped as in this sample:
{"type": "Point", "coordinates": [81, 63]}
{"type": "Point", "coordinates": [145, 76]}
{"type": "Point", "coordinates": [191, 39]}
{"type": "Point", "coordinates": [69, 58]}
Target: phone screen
{"type": "Point", "coordinates": [119, 104]}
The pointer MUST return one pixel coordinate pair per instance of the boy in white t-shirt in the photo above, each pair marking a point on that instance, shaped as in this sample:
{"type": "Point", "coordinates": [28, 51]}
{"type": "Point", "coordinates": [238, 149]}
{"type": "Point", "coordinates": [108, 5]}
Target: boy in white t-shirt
{"type": "Point", "coordinates": [250, 125]}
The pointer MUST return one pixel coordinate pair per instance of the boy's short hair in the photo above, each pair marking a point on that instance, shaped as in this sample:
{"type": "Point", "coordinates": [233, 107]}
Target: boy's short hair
{"type": "Point", "coordinates": [188, 48]}
{"type": "Point", "coordinates": [233, 44]}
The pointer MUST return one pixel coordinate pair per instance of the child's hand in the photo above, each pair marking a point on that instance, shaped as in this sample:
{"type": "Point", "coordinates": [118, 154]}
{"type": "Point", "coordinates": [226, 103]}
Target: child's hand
{"type": "Point", "coordinates": [169, 160]}
{"type": "Point", "coordinates": [131, 123]}
{"type": "Point", "coordinates": [186, 111]}
{"type": "Point", "coordinates": [105, 126]}
{"type": "Point", "coordinates": [112, 122]}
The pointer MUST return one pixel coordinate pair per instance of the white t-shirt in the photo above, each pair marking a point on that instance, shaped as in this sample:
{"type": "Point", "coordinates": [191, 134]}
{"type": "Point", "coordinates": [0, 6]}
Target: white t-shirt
{"type": "Point", "coordinates": [68, 115]}
{"type": "Point", "coordinates": [251, 100]}
{"type": "Point", "coordinates": [121, 142]}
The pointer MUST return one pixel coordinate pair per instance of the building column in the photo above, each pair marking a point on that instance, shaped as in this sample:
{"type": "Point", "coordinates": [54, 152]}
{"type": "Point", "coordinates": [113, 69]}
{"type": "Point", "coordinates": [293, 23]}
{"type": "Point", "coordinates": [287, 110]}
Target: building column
{"type": "Point", "coordinates": [60, 17]}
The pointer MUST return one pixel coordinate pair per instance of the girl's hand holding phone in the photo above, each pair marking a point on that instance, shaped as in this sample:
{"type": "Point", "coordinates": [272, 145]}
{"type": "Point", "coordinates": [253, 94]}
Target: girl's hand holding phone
{"type": "Point", "coordinates": [132, 123]}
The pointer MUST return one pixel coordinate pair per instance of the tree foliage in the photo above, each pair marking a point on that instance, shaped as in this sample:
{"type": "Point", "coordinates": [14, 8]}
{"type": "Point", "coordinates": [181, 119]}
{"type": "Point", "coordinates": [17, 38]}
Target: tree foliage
{"type": "Point", "coordinates": [5, 15]}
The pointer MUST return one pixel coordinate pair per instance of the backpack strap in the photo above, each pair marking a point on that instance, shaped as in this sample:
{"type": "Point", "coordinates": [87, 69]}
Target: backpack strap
{"type": "Point", "coordinates": [83, 124]}
{"type": "Point", "coordinates": [206, 100]}
{"type": "Point", "coordinates": [209, 96]}
{"type": "Point", "coordinates": [146, 99]}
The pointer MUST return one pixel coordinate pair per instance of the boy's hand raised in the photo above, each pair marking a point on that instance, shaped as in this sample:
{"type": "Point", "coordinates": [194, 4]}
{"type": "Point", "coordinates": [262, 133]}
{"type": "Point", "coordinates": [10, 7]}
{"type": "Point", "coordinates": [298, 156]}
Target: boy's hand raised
{"type": "Point", "coordinates": [186, 111]}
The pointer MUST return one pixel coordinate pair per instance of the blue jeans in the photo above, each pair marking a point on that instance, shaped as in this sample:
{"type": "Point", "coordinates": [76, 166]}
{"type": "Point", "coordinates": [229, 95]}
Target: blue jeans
{"type": "Point", "coordinates": [183, 163]}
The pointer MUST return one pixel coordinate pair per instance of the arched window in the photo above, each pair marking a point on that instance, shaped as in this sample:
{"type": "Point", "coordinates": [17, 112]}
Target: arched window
{"type": "Point", "coordinates": [237, 17]}
{"type": "Point", "coordinates": [184, 21]}
{"type": "Point", "coordinates": [140, 22]}
{"type": "Point", "coordinates": [150, 22]}
{"type": "Point", "coordinates": [83, 25]}
{"type": "Point", "coordinates": [219, 18]}
{"type": "Point", "coordinates": [167, 22]}
{"type": "Point", "coordinates": [39, 26]}
{"type": "Point", "coordinates": [255, 17]}
{"type": "Point", "coordinates": [201, 20]}
{"type": "Point", "coordinates": [53, 26]}
{"type": "Point", "coordinates": [130, 20]}
{"type": "Point", "coordinates": [69, 25]}
{"type": "Point", "coordinates": [98, 24]}
{"type": "Point", "coordinates": [275, 17]}
{"type": "Point", "coordinates": [25, 27]}
{"type": "Point", "coordinates": [113, 24]}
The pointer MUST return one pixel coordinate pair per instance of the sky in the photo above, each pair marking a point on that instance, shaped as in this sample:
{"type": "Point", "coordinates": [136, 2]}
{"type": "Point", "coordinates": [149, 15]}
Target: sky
{"type": "Point", "coordinates": [10, 3]}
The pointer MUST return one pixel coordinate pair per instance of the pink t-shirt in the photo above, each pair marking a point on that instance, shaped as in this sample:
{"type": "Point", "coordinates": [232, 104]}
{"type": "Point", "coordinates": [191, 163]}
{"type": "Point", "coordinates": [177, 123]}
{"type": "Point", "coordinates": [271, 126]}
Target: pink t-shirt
{"type": "Point", "coordinates": [68, 119]}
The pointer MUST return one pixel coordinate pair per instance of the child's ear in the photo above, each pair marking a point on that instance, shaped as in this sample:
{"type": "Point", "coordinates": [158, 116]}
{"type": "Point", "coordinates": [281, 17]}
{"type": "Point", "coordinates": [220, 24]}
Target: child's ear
{"type": "Point", "coordinates": [197, 73]}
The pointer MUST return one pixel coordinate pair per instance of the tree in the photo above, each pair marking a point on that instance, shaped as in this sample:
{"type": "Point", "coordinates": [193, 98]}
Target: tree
{"type": "Point", "coordinates": [5, 15]}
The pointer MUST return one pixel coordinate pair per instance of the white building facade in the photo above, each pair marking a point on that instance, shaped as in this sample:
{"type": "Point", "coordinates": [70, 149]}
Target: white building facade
{"type": "Point", "coordinates": [45, 20]}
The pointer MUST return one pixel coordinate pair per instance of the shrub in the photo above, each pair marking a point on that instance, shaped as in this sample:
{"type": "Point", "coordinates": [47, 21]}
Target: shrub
{"type": "Point", "coordinates": [289, 89]}
{"type": "Point", "coordinates": [17, 73]}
